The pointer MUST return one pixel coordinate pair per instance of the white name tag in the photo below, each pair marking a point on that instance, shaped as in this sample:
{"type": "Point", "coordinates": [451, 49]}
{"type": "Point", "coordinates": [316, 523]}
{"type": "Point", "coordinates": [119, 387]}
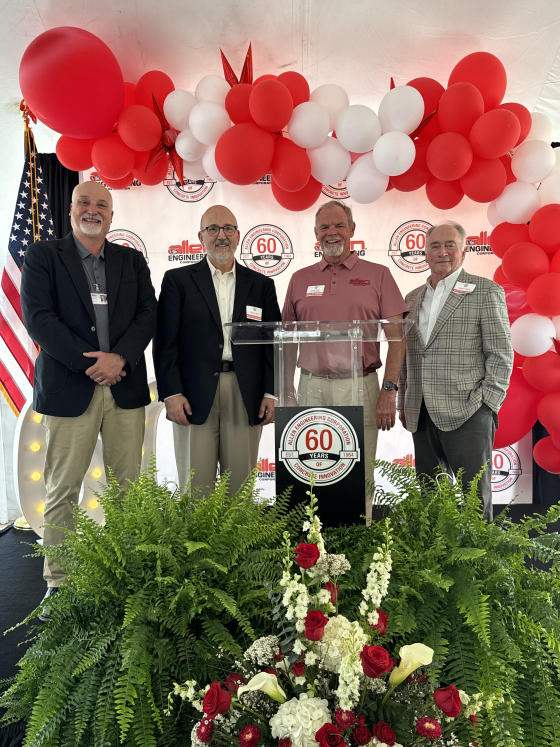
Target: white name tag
{"type": "Point", "coordinates": [253, 312]}
{"type": "Point", "coordinates": [315, 290]}
{"type": "Point", "coordinates": [99, 299]}
{"type": "Point", "coordinates": [464, 287]}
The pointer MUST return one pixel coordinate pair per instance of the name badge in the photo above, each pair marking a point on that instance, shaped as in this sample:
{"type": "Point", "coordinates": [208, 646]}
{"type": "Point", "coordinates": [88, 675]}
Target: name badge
{"type": "Point", "coordinates": [253, 312]}
{"type": "Point", "coordinates": [464, 288]}
{"type": "Point", "coordinates": [99, 299]}
{"type": "Point", "coordinates": [315, 290]}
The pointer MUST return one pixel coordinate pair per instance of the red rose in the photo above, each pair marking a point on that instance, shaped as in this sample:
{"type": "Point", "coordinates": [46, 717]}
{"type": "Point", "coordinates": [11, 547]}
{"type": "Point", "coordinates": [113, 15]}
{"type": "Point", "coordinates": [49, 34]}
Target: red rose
{"type": "Point", "coordinates": [234, 682]}
{"type": "Point", "coordinates": [333, 590]}
{"type": "Point", "coordinates": [204, 731]}
{"type": "Point", "coordinates": [298, 668]}
{"type": "Point", "coordinates": [448, 700]}
{"type": "Point", "coordinates": [249, 736]}
{"type": "Point", "coordinates": [361, 735]}
{"type": "Point", "coordinates": [345, 719]}
{"type": "Point", "coordinates": [315, 623]}
{"type": "Point", "coordinates": [360, 719]}
{"type": "Point", "coordinates": [329, 736]}
{"type": "Point", "coordinates": [285, 742]}
{"type": "Point", "coordinates": [381, 624]}
{"type": "Point", "coordinates": [375, 661]}
{"type": "Point", "coordinates": [428, 727]}
{"type": "Point", "coordinates": [271, 670]}
{"type": "Point", "coordinates": [279, 656]}
{"type": "Point", "coordinates": [307, 555]}
{"type": "Point", "coordinates": [384, 733]}
{"type": "Point", "coordinates": [216, 700]}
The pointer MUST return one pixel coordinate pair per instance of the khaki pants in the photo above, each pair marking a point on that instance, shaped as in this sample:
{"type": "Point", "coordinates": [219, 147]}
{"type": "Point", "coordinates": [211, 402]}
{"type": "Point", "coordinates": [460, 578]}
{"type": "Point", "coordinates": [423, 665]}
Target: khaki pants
{"type": "Point", "coordinates": [70, 446]}
{"type": "Point", "coordinates": [314, 391]}
{"type": "Point", "coordinates": [225, 438]}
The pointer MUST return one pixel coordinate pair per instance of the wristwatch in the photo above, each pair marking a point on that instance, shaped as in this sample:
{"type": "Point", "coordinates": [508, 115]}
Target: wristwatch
{"type": "Point", "coordinates": [390, 386]}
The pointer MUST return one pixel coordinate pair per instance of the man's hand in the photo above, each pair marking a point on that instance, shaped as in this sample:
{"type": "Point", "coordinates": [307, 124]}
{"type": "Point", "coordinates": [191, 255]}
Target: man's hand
{"type": "Point", "coordinates": [386, 409]}
{"type": "Point", "coordinates": [108, 369]}
{"type": "Point", "coordinates": [402, 418]}
{"type": "Point", "coordinates": [176, 407]}
{"type": "Point", "coordinates": [267, 407]}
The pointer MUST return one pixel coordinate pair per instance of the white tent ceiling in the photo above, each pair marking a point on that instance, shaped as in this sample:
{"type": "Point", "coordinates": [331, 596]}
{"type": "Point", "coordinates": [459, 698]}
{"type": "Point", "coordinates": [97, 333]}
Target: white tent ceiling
{"type": "Point", "coordinates": [358, 44]}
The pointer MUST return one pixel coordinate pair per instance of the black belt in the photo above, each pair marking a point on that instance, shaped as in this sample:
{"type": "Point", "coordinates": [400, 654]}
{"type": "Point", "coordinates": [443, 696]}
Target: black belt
{"type": "Point", "coordinates": [226, 366]}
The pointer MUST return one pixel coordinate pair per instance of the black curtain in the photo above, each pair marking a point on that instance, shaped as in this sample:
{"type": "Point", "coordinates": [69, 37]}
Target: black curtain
{"type": "Point", "coordinates": [59, 183]}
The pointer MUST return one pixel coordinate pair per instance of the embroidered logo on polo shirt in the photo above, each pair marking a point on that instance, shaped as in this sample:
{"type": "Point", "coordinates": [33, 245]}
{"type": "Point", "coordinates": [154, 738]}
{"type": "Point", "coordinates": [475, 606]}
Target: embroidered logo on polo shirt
{"type": "Point", "coordinates": [359, 281]}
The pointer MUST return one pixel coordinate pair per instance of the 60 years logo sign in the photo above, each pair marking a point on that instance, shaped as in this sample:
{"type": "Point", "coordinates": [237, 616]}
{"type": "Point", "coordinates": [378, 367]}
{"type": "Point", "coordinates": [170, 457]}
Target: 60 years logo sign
{"type": "Point", "coordinates": [407, 247]}
{"type": "Point", "coordinates": [267, 249]}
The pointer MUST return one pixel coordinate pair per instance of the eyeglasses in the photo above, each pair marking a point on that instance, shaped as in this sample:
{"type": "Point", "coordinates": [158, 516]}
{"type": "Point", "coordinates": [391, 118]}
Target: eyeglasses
{"type": "Point", "coordinates": [228, 229]}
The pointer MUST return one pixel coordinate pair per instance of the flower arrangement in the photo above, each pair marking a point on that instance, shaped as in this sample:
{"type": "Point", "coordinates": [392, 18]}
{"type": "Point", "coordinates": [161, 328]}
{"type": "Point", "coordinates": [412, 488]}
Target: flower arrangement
{"type": "Point", "coordinates": [326, 681]}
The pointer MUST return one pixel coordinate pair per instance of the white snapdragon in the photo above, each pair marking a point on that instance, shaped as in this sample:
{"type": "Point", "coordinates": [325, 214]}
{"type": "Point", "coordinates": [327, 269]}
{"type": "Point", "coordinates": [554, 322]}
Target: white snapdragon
{"type": "Point", "coordinates": [350, 673]}
{"type": "Point", "coordinates": [377, 583]}
{"type": "Point", "coordinates": [299, 720]}
{"type": "Point", "coordinates": [339, 638]}
{"type": "Point", "coordinates": [263, 650]}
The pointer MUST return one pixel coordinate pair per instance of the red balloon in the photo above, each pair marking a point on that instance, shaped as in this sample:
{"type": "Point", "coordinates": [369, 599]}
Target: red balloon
{"type": "Point", "coordinates": [301, 200]}
{"type": "Point", "coordinates": [444, 195]}
{"type": "Point", "coordinates": [486, 72]}
{"type": "Point", "coordinates": [518, 360]}
{"type": "Point", "coordinates": [518, 414]}
{"type": "Point", "coordinates": [485, 180]}
{"type": "Point", "coordinates": [523, 262]}
{"type": "Point", "coordinates": [418, 174]}
{"type": "Point", "coordinates": [507, 234]}
{"type": "Point", "coordinates": [74, 153]}
{"type": "Point", "coordinates": [431, 91]}
{"type": "Point", "coordinates": [516, 301]}
{"type": "Point", "coordinates": [123, 183]}
{"type": "Point", "coordinates": [112, 157]}
{"type": "Point", "coordinates": [495, 133]}
{"type": "Point", "coordinates": [499, 277]}
{"type": "Point", "coordinates": [244, 153]}
{"type": "Point", "coordinates": [449, 156]}
{"type": "Point", "coordinates": [549, 412]}
{"type": "Point", "coordinates": [556, 439]}
{"type": "Point", "coordinates": [268, 76]}
{"type": "Point", "coordinates": [129, 94]}
{"type": "Point", "coordinates": [547, 455]}
{"type": "Point", "coordinates": [542, 372]}
{"type": "Point", "coordinates": [552, 250]}
{"type": "Point", "coordinates": [57, 90]}
{"type": "Point", "coordinates": [543, 295]}
{"type": "Point", "coordinates": [544, 228]}
{"type": "Point", "coordinates": [510, 176]}
{"type": "Point", "coordinates": [523, 115]}
{"type": "Point", "coordinates": [555, 262]}
{"type": "Point", "coordinates": [296, 85]}
{"type": "Point", "coordinates": [271, 105]}
{"type": "Point", "coordinates": [459, 108]}
{"type": "Point", "coordinates": [291, 167]}
{"type": "Point", "coordinates": [237, 103]}
{"type": "Point", "coordinates": [155, 174]}
{"type": "Point", "coordinates": [139, 127]}
{"type": "Point", "coordinates": [154, 82]}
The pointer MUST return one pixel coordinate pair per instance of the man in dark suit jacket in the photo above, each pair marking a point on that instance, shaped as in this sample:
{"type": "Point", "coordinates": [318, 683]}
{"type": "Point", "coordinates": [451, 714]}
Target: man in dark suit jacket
{"type": "Point", "coordinates": [217, 394]}
{"type": "Point", "coordinates": [91, 307]}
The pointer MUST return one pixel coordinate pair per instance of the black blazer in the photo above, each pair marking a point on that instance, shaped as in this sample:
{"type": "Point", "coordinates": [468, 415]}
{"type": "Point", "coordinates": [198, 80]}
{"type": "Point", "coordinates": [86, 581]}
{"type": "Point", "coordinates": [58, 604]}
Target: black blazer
{"type": "Point", "coordinates": [189, 340]}
{"type": "Point", "coordinates": [59, 316]}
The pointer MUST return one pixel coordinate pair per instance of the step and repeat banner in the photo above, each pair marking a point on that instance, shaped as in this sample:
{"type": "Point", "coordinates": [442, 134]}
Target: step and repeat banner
{"type": "Point", "coordinates": [163, 223]}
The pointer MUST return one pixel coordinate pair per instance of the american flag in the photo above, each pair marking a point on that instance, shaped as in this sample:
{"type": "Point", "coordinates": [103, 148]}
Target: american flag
{"type": "Point", "coordinates": [32, 221]}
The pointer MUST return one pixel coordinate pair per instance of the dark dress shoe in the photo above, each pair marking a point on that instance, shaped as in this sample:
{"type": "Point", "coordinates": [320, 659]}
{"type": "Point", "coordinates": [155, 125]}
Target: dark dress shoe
{"type": "Point", "coordinates": [45, 616]}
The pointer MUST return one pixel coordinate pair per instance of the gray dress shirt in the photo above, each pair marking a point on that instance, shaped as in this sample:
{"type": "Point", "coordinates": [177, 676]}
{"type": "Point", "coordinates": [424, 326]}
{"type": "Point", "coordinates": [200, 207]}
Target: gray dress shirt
{"type": "Point", "coordinates": [94, 268]}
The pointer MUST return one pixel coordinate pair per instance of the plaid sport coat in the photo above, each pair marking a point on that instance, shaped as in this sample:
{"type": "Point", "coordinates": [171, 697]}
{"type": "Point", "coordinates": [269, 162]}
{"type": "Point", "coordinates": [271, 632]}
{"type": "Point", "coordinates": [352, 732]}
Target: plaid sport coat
{"type": "Point", "coordinates": [468, 359]}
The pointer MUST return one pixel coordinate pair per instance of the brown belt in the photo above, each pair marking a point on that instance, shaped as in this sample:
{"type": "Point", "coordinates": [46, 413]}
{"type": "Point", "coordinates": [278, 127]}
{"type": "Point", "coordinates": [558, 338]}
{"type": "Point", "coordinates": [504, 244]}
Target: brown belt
{"type": "Point", "coordinates": [332, 375]}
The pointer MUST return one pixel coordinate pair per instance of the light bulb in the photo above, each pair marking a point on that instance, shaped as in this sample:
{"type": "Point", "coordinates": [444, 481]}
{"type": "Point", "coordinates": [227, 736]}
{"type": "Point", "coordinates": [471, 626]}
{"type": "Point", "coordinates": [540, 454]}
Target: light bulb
{"type": "Point", "coordinates": [93, 503]}
{"type": "Point", "coordinates": [35, 446]}
{"type": "Point", "coordinates": [96, 473]}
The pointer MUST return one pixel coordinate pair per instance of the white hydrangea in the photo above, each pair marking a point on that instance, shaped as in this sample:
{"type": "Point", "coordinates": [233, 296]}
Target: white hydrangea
{"type": "Point", "coordinates": [377, 583]}
{"type": "Point", "coordinates": [339, 638]}
{"type": "Point", "coordinates": [263, 650]}
{"type": "Point", "coordinates": [376, 743]}
{"type": "Point", "coordinates": [300, 719]}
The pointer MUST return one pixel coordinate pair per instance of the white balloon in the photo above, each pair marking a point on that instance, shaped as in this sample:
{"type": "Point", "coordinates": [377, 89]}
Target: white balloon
{"type": "Point", "coordinates": [194, 170]}
{"type": "Point", "coordinates": [556, 322]}
{"type": "Point", "coordinates": [309, 125]}
{"type": "Point", "coordinates": [212, 88]}
{"type": "Point", "coordinates": [365, 183]}
{"type": "Point", "coordinates": [532, 335]}
{"type": "Point", "coordinates": [209, 163]}
{"type": "Point", "coordinates": [401, 109]}
{"type": "Point", "coordinates": [330, 162]}
{"type": "Point", "coordinates": [188, 147]}
{"type": "Point", "coordinates": [394, 153]}
{"type": "Point", "coordinates": [518, 202]}
{"type": "Point", "coordinates": [541, 128]}
{"type": "Point", "coordinates": [208, 121]}
{"type": "Point", "coordinates": [358, 128]}
{"type": "Point", "coordinates": [332, 98]}
{"type": "Point", "coordinates": [494, 218]}
{"type": "Point", "coordinates": [177, 108]}
{"type": "Point", "coordinates": [532, 161]}
{"type": "Point", "coordinates": [550, 189]}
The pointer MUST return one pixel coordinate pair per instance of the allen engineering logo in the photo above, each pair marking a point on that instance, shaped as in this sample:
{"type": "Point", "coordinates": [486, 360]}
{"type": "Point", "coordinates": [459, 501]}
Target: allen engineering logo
{"type": "Point", "coordinates": [127, 238]}
{"type": "Point", "coordinates": [478, 244]}
{"type": "Point", "coordinates": [267, 249]}
{"type": "Point", "coordinates": [407, 247]}
{"type": "Point", "coordinates": [335, 191]}
{"type": "Point", "coordinates": [266, 469]}
{"type": "Point", "coordinates": [356, 246]}
{"type": "Point", "coordinates": [186, 253]}
{"type": "Point", "coordinates": [321, 441]}
{"type": "Point", "coordinates": [506, 468]}
{"type": "Point", "coordinates": [190, 190]}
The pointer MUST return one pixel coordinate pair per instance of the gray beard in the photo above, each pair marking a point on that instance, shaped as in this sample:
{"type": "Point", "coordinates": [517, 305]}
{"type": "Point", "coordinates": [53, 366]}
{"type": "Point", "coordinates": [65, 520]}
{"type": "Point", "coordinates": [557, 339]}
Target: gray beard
{"type": "Point", "coordinates": [333, 250]}
{"type": "Point", "coordinates": [220, 259]}
{"type": "Point", "coordinates": [91, 229]}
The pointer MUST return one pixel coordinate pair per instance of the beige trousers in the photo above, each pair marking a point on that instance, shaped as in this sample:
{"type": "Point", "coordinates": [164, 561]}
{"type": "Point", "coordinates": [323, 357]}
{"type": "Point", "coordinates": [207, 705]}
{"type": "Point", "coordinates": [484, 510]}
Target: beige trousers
{"type": "Point", "coordinates": [70, 446]}
{"type": "Point", "coordinates": [314, 391]}
{"type": "Point", "coordinates": [225, 438]}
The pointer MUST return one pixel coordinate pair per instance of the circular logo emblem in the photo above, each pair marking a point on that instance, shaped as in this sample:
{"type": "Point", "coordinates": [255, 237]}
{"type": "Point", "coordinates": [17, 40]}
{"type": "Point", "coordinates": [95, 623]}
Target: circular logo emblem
{"type": "Point", "coordinates": [127, 238]}
{"type": "Point", "coordinates": [506, 468]}
{"type": "Point", "coordinates": [321, 441]}
{"type": "Point", "coordinates": [335, 191]}
{"type": "Point", "coordinates": [190, 190]}
{"type": "Point", "coordinates": [407, 247]}
{"type": "Point", "coordinates": [267, 249]}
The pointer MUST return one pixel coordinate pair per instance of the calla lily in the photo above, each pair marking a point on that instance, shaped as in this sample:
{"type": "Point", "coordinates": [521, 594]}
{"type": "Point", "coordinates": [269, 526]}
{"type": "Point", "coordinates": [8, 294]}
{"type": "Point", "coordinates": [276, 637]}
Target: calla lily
{"type": "Point", "coordinates": [412, 657]}
{"type": "Point", "coordinates": [267, 683]}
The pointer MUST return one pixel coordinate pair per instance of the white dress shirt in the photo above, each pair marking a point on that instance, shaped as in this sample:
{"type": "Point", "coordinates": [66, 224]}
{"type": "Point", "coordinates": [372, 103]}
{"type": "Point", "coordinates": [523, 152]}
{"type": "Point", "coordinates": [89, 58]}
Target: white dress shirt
{"type": "Point", "coordinates": [224, 284]}
{"type": "Point", "coordinates": [433, 303]}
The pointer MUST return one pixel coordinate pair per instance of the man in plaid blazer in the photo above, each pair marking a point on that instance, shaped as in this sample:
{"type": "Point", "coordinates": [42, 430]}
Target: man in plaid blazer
{"type": "Point", "coordinates": [457, 366]}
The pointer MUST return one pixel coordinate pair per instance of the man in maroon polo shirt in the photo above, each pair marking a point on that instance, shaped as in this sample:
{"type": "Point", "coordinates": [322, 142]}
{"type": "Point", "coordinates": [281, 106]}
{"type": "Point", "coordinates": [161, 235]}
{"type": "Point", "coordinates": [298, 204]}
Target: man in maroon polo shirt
{"type": "Point", "coordinates": [344, 287]}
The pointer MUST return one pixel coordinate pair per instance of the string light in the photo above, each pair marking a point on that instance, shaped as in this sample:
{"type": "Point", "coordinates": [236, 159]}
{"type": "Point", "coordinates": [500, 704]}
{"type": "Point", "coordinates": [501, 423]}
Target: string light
{"type": "Point", "coordinates": [37, 417]}
{"type": "Point", "coordinates": [93, 503]}
{"type": "Point", "coordinates": [41, 508]}
{"type": "Point", "coordinates": [152, 396]}
{"type": "Point", "coordinates": [36, 476]}
{"type": "Point", "coordinates": [96, 473]}
{"type": "Point", "coordinates": [35, 446]}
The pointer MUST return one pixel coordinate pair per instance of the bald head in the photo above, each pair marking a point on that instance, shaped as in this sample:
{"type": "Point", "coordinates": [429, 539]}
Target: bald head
{"type": "Point", "coordinates": [91, 213]}
{"type": "Point", "coordinates": [217, 215]}
{"type": "Point", "coordinates": [220, 247]}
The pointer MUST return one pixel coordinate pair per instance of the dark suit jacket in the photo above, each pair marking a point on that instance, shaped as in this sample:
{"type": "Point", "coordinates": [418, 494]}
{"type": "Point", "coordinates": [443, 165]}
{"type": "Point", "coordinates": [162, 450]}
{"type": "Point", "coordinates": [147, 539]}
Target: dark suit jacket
{"type": "Point", "coordinates": [189, 341]}
{"type": "Point", "coordinates": [59, 316]}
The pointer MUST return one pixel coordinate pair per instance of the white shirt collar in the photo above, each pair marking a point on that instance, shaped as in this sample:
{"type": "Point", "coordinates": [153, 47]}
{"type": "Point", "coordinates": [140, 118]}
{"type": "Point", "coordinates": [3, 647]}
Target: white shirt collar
{"type": "Point", "coordinates": [448, 282]}
{"type": "Point", "coordinates": [214, 270]}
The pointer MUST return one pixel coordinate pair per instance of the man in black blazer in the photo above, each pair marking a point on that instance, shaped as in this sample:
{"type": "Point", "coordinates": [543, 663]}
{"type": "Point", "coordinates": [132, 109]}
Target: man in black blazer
{"type": "Point", "coordinates": [218, 395]}
{"type": "Point", "coordinates": [91, 307]}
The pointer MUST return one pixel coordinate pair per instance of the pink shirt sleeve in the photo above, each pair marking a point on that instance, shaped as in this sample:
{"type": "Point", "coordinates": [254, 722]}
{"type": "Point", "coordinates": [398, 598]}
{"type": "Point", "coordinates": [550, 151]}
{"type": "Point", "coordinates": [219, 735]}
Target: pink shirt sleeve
{"type": "Point", "coordinates": [289, 312]}
{"type": "Point", "coordinates": [392, 302]}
